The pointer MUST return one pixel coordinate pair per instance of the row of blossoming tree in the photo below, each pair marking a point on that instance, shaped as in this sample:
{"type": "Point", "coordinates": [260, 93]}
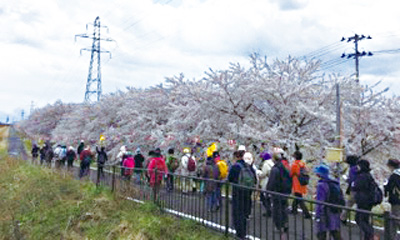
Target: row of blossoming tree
{"type": "Point", "coordinates": [288, 101]}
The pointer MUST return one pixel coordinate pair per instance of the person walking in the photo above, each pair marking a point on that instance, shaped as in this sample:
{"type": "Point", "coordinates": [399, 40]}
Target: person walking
{"type": "Point", "coordinates": [71, 156]}
{"type": "Point", "coordinates": [263, 176]}
{"type": "Point", "coordinates": [392, 189]}
{"type": "Point", "coordinates": [101, 161]}
{"type": "Point", "coordinates": [57, 156]}
{"type": "Point", "coordinates": [299, 190]}
{"type": "Point", "coordinates": [188, 168]}
{"type": "Point", "coordinates": [35, 153]}
{"type": "Point", "coordinates": [242, 176]}
{"type": "Point", "coordinates": [327, 218]}
{"type": "Point", "coordinates": [80, 147]}
{"type": "Point", "coordinates": [63, 156]}
{"type": "Point", "coordinates": [86, 158]}
{"type": "Point", "coordinates": [128, 165]}
{"type": "Point", "coordinates": [362, 186]}
{"type": "Point", "coordinates": [210, 173]}
{"type": "Point", "coordinates": [49, 154]}
{"type": "Point", "coordinates": [352, 160]}
{"type": "Point", "coordinates": [157, 169]}
{"type": "Point", "coordinates": [172, 164]}
{"type": "Point", "coordinates": [42, 153]}
{"type": "Point", "coordinates": [223, 174]}
{"type": "Point", "coordinates": [139, 168]}
{"type": "Point", "coordinates": [281, 182]}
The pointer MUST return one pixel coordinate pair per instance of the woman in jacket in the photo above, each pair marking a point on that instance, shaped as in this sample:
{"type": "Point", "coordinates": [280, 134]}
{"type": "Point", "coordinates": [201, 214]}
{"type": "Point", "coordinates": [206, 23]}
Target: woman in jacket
{"type": "Point", "coordinates": [263, 176]}
{"type": "Point", "coordinates": [327, 220]}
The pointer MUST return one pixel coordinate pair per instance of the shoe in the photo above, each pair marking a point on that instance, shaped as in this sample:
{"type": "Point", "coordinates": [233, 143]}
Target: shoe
{"type": "Point", "coordinates": [344, 221]}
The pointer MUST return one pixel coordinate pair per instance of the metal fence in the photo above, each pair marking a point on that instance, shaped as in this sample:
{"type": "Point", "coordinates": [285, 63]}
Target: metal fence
{"type": "Point", "coordinates": [186, 196]}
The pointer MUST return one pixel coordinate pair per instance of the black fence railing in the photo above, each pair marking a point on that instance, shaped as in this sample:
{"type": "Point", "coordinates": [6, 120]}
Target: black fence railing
{"type": "Point", "coordinates": [190, 197]}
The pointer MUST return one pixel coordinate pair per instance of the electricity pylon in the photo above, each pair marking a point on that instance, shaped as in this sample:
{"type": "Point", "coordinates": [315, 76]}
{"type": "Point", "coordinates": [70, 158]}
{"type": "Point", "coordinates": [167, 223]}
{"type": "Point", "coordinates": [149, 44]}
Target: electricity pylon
{"type": "Point", "coordinates": [93, 84]}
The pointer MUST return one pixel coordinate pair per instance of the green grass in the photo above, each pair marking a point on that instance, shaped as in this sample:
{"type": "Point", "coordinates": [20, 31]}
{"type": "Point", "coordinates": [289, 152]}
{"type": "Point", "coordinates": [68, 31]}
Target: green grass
{"type": "Point", "coordinates": [39, 203]}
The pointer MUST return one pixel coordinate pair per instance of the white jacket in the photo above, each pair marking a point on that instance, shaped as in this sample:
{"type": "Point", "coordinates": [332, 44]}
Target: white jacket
{"type": "Point", "coordinates": [263, 175]}
{"type": "Point", "coordinates": [184, 165]}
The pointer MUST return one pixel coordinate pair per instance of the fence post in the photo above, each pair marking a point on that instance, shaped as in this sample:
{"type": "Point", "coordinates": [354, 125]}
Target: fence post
{"type": "Point", "coordinates": [227, 208]}
{"type": "Point", "coordinates": [155, 186]}
{"type": "Point", "coordinates": [98, 177]}
{"type": "Point", "coordinates": [113, 180]}
{"type": "Point", "coordinates": [387, 225]}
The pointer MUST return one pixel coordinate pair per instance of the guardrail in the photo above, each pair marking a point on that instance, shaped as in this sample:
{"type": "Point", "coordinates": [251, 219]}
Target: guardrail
{"type": "Point", "coordinates": [186, 196]}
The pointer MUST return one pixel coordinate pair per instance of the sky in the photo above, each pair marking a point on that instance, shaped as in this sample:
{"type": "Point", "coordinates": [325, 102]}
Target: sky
{"type": "Point", "coordinates": [42, 62]}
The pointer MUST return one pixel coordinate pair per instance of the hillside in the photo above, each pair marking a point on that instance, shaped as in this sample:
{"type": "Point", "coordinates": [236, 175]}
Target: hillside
{"type": "Point", "coordinates": [40, 203]}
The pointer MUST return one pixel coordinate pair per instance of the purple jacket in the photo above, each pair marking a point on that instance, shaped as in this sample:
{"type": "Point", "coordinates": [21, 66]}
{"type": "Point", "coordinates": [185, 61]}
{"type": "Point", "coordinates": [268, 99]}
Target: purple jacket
{"type": "Point", "coordinates": [352, 174]}
{"type": "Point", "coordinates": [326, 220]}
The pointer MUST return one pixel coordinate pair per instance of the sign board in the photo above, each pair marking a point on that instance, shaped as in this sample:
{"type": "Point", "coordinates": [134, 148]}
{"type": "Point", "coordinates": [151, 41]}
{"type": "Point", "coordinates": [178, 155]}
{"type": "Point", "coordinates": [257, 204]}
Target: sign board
{"type": "Point", "coordinates": [334, 154]}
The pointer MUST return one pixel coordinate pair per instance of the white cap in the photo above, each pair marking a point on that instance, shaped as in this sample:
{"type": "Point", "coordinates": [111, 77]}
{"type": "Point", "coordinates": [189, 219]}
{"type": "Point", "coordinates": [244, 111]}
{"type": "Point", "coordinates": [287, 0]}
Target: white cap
{"type": "Point", "coordinates": [242, 148]}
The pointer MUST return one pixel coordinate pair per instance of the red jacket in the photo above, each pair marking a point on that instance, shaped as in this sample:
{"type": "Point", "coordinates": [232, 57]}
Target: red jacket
{"type": "Point", "coordinates": [158, 164]}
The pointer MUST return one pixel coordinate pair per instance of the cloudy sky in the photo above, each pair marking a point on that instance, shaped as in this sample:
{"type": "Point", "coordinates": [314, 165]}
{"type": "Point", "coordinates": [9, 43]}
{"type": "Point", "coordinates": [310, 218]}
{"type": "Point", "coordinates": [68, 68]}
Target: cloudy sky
{"type": "Point", "coordinates": [41, 61]}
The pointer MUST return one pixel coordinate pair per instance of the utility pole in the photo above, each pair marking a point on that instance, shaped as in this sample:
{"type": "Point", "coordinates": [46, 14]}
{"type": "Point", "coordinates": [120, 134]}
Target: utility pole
{"type": "Point", "coordinates": [356, 54]}
{"type": "Point", "coordinates": [93, 84]}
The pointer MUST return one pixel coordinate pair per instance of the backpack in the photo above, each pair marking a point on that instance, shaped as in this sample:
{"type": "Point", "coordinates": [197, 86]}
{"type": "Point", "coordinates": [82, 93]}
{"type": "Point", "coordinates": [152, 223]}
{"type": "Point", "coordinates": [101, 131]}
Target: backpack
{"type": "Point", "coordinates": [102, 157]}
{"type": "Point", "coordinates": [191, 164]}
{"type": "Point", "coordinates": [129, 164]}
{"type": "Point", "coordinates": [63, 153]}
{"type": "Point", "coordinates": [246, 176]}
{"type": "Point", "coordinates": [159, 170]}
{"type": "Point", "coordinates": [285, 180]}
{"type": "Point", "coordinates": [223, 169]}
{"type": "Point", "coordinates": [172, 163]}
{"type": "Point", "coordinates": [335, 196]}
{"type": "Point", "coordinates": [303, 177]}
{"type": "Point", "coordinates": [377, 193]}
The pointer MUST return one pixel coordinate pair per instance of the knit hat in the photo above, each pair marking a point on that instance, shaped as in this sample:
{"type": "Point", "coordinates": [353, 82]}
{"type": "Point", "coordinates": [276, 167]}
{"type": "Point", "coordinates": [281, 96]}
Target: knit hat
{"type": "Point", "coordinates": [322, 170]}
{"type": "Point", "coordinates": [393, 163]}
{"type": "Point", "coordinates": [364, 165]}
{"type": "Point", "coordinates": [265, 155]}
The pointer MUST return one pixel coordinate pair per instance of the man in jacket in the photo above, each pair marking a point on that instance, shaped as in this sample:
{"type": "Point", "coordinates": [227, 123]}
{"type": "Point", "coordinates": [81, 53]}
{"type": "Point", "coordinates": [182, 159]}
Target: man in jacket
{"type": "Point", "coordinates": [101, 160]}
{"type": "Point", "coordinates": [280, 181]}
{"type": "Point", "coordinates": [362, 186]}
{"type": "Point", "coordinates": [392, 188]}
{"type": "Point", "coordinates": [241, 197]}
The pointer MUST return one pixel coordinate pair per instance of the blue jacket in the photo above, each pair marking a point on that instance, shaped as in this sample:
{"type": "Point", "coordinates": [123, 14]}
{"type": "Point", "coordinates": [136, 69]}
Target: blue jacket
{"type": "Point", "coordinates": [326, 220]}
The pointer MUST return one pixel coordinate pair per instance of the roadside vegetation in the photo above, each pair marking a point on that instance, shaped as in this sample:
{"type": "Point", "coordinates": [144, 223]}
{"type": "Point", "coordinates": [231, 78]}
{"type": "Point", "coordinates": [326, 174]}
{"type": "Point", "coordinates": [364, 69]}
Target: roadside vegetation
{"type": "Point", "coordinates": [39, 203]}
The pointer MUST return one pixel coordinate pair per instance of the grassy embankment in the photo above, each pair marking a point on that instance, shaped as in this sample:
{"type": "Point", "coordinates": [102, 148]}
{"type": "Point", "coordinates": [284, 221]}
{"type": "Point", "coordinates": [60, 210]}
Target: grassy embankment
{"type": "Point", "coordinates": [38, 203]}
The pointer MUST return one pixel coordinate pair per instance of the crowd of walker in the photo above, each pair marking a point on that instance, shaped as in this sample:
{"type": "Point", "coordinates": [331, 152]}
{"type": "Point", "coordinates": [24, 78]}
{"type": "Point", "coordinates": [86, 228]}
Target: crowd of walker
{"type": "Point", "coordinates": [269, 170]}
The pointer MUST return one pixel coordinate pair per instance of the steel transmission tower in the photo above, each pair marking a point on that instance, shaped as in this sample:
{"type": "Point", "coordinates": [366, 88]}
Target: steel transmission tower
{"type": "Point", "coordinates": [93, 84]}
